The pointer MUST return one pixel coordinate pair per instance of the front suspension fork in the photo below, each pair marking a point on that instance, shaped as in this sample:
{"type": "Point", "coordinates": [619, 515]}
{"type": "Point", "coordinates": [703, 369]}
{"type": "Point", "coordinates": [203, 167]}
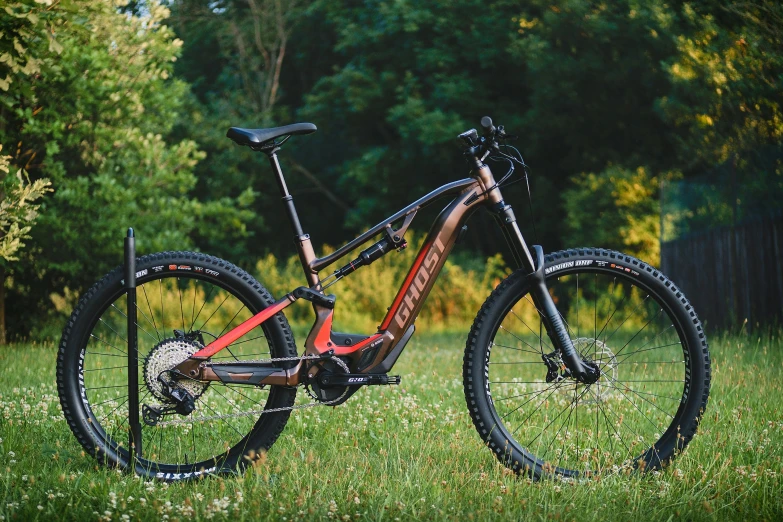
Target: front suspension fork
{"type": "Point", "coordinates": [553, 321]}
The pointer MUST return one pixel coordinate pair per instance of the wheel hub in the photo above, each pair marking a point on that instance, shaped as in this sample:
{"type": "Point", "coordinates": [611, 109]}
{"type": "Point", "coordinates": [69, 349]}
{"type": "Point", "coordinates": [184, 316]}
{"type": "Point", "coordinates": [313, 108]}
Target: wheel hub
{"type": "Point", "coordinates": [597, 352]}
{"type": "Point", "coordinates": [165, 356]}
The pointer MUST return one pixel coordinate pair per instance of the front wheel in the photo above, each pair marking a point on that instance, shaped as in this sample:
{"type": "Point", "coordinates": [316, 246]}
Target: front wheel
{"type": "Point", "coordinates": [627, 318]}
{"type": "Point", "coordinates": [184, 301]}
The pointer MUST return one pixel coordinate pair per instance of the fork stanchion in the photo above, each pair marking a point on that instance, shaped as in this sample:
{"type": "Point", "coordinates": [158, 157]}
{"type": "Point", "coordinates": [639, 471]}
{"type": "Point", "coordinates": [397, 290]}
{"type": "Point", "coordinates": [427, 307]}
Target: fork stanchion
{"type": "Point", "coordinates": [133, 349]}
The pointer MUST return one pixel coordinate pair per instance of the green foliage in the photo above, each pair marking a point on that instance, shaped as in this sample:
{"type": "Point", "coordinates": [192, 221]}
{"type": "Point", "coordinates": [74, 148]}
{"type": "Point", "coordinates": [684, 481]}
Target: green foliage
{"type": "Point", "coordinates": [25, 26]}
{"type": "Point", "coordinates": [616, 208]}
{"type": "Point", "coordinates": [18, 209]}
{"type": "Point", "coordinates": [587, 86]}
{"type": "Point", "coordinates": [363, 296]}
{"type": "Point", "coordinates": [725, 97]}
{"type": "Point", "coordinates": [128, 121]}
{"type": "Point", "coordinates": [744, 188]}
{"type": "Point", "coordinates": [95, 119]}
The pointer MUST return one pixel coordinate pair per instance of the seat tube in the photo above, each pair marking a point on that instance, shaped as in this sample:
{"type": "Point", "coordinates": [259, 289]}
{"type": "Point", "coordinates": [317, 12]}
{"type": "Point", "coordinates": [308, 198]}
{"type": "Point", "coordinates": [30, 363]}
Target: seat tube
{"type": "Point", "coordinates": [288, 200]}
{"type": "Point", "coordinates": [303, 246]}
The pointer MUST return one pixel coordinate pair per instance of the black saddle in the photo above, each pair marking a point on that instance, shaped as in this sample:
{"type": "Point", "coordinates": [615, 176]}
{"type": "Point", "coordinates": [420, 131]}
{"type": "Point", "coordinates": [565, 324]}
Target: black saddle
{"type": "Point", "coordinates": [259, 138]}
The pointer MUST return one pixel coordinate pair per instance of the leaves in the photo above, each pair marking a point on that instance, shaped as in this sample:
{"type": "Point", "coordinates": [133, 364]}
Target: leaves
{"type": "Point", "coordinates": [18, 208]}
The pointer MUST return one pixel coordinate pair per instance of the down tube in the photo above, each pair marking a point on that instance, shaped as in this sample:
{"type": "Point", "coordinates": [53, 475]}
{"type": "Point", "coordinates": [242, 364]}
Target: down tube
{"type": "Point", "coordinates": [429, 262]}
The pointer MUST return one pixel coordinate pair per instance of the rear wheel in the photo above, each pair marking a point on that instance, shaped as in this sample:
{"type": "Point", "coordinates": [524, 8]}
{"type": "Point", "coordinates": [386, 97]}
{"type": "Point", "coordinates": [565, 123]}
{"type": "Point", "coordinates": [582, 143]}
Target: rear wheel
{"type": "Point", "coordinates": [634, 324]}
{"type": "Point", "coordinates": [184, 300]}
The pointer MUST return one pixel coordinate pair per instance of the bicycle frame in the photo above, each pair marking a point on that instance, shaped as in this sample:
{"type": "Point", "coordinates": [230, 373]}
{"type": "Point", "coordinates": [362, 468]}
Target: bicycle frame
{"type": "Point", "coordinates": [377, 354]}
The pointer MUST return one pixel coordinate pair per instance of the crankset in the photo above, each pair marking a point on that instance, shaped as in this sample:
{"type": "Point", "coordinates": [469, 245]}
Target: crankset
{"type": "Point", "coordinates": [327, 379]}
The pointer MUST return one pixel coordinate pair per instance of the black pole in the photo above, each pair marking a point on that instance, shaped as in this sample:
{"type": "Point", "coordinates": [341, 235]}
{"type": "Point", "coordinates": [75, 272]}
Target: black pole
{"type": "Point", "coordinates": [133, 349]}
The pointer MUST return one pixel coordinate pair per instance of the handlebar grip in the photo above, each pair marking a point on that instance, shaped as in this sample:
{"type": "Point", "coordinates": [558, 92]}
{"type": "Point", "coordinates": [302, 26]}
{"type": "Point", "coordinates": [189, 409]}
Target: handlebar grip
{"type": "Point", "coordinates": [486, 123]}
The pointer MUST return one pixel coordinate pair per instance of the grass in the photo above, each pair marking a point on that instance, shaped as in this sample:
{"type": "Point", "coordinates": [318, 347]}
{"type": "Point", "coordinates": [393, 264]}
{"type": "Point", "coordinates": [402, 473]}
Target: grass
{"type": "Point", "coordinates": [402, 452]}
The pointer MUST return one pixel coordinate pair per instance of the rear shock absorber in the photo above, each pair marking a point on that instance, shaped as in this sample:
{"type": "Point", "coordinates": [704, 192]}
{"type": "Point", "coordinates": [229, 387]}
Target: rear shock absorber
{"type": "Point", "coordinates": [369, 255]}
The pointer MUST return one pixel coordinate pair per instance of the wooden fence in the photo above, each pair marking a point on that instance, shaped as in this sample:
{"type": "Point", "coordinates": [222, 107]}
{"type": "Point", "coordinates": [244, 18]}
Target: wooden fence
{"type": "Point", "coordinates": [731, 274]}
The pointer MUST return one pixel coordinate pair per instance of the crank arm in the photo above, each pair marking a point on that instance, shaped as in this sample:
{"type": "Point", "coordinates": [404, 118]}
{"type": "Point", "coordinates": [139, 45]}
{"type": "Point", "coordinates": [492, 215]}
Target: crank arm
{"type": "Point", "coordinates": [328, 380]}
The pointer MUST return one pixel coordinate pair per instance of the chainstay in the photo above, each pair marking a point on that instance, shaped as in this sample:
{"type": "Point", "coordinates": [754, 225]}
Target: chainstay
{"type": "Point", "coordinates": [180, 422]}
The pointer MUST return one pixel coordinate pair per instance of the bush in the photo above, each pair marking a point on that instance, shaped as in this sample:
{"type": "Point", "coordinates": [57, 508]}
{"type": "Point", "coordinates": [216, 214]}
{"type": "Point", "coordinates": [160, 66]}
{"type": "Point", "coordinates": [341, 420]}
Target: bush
{"type": "Point", "coordinates": [363, 297]}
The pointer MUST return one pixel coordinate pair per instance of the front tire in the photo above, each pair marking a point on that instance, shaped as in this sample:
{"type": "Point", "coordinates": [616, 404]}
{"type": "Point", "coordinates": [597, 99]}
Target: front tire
{"type": "Point", "coordinates": [177, 292]}
{"type": "Point", "coordinates": [628, 318]}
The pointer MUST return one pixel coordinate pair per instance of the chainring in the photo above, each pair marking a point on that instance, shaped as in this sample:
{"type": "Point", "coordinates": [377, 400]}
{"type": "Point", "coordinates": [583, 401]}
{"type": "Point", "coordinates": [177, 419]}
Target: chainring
{"type": "Point", "coordinates": [331, 394]}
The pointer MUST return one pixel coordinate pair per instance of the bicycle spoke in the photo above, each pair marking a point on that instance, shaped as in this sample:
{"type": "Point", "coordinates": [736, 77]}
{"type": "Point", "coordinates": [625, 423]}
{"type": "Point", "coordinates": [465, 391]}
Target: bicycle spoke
{"type": "Point", "coordinates": [644, 399]}
{"type": "Point", "coordinates": [606, 339]}
{"type": "Point", "coordinates": [206, 300]}
{"type": "Point", "coordinates": [162, 311]}
{"type": "Point", "coordinates": [528, 401]}
{"type": "Point", "coordinates": [637, 333]}
{"type": "Point", "coordinates": [231, 321]}
{"type": "Point", "coordinates": [137, 324]}
{"type": "Point", "coordinates": [152, 314]}
{"type": "Point", "coordinates": [113, 330]}
{"type": "Point", "coordinates": [110, 345]}
{"type": "Point", "coordinates": [181, 310]}
{"type": "Point", "coordinates": [573, 428]}
{"type": "Point", "coordinates": [628, 355]}
{"type": "Point", "coordinates": [513, 348]}
{"type": "Point", "coordinates": [541, 339]}
{"type": "Point", "coordinates": [215, 311]}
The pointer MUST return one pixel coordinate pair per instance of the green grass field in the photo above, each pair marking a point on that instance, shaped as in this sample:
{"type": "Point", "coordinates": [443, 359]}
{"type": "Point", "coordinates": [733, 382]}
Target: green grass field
{"type": "Point", "coordinates": [407, 452]}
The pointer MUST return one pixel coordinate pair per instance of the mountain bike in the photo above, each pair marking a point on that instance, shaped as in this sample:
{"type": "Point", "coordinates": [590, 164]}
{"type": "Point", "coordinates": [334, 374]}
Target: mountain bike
{"type": "Point", "coordinates": [580, 362]}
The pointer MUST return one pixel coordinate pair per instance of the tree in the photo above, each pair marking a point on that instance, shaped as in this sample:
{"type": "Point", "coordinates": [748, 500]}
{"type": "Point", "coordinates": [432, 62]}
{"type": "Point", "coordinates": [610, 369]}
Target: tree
{"type": "Point", "coordinates": [95, 120]}
{"type": "Point", "coordinates": [616, 208]}
{"type": "Point", "coordinates": [725, 98]}
{"type": "Point", "coordinates": [234, 58]}
{"type": "Point", "coordinates": [18, 211]}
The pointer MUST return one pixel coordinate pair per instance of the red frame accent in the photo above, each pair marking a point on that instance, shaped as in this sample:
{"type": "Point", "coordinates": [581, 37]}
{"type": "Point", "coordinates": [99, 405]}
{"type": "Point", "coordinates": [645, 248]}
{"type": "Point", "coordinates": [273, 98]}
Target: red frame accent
{"type": "Point", "coordinates": [405, 286]}
{"type": "Point", "coordinates": [323, 340]}
{"type": "Point", "coordinates": [237, 332]}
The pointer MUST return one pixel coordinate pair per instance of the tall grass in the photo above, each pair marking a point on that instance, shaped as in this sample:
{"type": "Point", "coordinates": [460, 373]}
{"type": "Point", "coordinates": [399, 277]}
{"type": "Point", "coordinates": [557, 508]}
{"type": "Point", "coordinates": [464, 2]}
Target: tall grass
{"type": "Point", "coordinates": [406, 452]}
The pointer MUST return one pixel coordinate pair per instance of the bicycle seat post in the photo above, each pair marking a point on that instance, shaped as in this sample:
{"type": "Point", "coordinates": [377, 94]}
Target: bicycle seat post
{"type": "Point", "coordinates": [302, 240]}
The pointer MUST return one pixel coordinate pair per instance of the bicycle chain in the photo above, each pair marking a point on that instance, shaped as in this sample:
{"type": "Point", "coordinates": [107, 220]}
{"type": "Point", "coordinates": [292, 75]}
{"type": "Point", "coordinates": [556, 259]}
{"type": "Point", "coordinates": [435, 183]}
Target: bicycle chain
{"type": "Point", "coordinates": [339, 362]}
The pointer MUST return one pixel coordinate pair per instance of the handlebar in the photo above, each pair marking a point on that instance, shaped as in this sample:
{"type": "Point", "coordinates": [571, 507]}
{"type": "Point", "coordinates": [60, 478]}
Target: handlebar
{"type": "Point", "coordinates": [479, 147]}
{"type": "Point", "coordinates": [486, 123]}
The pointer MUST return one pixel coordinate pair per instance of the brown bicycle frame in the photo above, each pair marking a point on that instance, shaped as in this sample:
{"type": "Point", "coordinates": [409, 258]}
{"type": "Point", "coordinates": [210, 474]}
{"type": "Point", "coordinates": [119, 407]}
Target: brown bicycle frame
{"type": "Point", "coordinates": [397, 326]}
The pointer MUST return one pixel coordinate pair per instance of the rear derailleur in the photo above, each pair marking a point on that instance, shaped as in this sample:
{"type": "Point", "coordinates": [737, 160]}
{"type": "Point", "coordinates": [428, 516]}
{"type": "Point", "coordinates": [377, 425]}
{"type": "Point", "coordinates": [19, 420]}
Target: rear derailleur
{"type": "Point", "coordinates": [182, 402]}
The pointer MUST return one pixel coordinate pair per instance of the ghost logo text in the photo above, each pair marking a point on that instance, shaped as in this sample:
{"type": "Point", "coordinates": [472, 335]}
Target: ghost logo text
{"type": "Point", "coordinates": [419, 282]}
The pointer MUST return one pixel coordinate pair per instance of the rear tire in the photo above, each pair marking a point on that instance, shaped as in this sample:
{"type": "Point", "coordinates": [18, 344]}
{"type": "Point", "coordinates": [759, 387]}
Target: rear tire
{"type": "Point", "coordinates": [182, 291]}
{"type": "Point", "coordinates": [621, 313]}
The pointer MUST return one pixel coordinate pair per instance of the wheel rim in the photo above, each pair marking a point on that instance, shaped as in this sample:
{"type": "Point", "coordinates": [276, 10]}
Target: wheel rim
{"type": "Point", "coordinates": [167, 302]}
{"type": "Point", "coordinates": [629, 417]}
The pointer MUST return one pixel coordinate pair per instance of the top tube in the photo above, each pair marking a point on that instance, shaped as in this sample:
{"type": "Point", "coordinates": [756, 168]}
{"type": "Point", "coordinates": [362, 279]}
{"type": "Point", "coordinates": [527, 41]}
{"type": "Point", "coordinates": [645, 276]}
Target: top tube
{"type": "Point", "coordinates": [455, 186]}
